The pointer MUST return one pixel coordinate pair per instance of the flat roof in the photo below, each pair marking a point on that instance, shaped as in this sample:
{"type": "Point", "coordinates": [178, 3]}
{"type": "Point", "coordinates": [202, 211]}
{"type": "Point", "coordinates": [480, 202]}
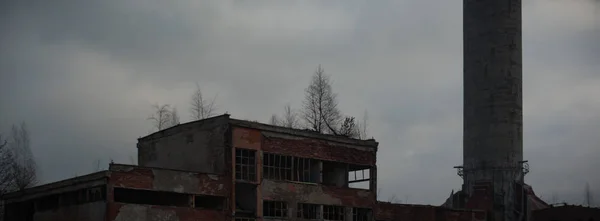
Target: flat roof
{"type": "Point", "coordinates": [93, 179]}
{"type": "Point", "coordinates": [266, 127]}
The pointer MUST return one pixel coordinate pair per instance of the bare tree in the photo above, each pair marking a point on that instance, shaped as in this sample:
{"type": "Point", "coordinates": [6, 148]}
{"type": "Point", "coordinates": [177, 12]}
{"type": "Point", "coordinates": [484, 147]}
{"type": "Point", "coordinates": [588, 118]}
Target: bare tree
{"type": "Point", "coordinates": [588, 197]}
{"type": "Point", "coordinates": [201, 108]}
{"type": "Point", "coordinates": [349, 128]}
{"type": "Point", "coordinates": [24, 168]}
{"type": "Point", "coordinates": [174, 118]}
{"type": "Point", "coordinates": [274, 120]}
{"type": "Point", "coordinates": [6, 162]}
{"type": "Point", "coordinates": [161, 117]}
{"type": "Point", "coordinates": [362, 127]}
{"type": "Point", "coordinates": [320, 111]}
{"type": "Point", "coordinates": [289, 119]}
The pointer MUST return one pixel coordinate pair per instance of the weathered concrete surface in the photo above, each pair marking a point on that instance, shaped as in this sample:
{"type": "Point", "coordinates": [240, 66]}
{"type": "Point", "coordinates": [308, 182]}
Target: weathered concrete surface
{"type": "Point", "coordinates": [407, 212]}
{"type": "Point", "coordinates": [493, 112]}
{"type": "Point", "coordinates": [198, 146]}
{"type": "Point", "coordinates": [95, 211]}
{"type": "Point", "coordinates": [169, 180]}
{"type": "Point", "coordinates": [131, 212]}
{"type": "Point", "coordinates": [294, 193]}
{"type": "Point", "coordinates": [493, 115]}
{"type": "Point", "coordinates": [318, 149]}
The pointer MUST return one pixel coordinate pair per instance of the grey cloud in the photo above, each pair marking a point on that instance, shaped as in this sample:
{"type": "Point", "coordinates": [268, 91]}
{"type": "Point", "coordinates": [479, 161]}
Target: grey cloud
{"type": "Point", "coordinates": [83, 75]}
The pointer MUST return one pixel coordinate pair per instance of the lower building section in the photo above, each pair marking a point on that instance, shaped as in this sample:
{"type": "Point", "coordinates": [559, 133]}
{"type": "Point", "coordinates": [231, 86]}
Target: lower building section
{"type": "Point", "coordinates": [406, 212]}
{"type": "Point", "coordinates": [137, 212]}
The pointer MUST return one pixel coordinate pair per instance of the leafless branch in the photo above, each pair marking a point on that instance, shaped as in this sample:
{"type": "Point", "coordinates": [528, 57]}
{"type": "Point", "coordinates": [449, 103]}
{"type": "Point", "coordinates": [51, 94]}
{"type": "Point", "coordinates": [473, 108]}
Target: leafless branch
{"type": "Point", "coordinates": [24, 168]}
{"type": "Point", "coordinates": [349, 128]}
{"type": "Point", "coordinates": [201, 108]}
{"type": "Point", "coordinates": [588, 197]}
{"type": "Point", "coordinates": [161, 117]}
{"type": "Point", "coordinates": [362, 127]}
{"type": "Point", "coordinates": [274, 120]}
{"type": "Point", "coordinates": [174, 118]}
{"type": "Point", "coordinates": [6, 172]}
{"type": "Point", "coordinates": [320, 111]}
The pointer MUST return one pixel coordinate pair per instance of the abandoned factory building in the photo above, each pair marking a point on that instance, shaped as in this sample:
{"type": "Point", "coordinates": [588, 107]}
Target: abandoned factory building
{"type": "Point", "coordinates": [221, 169]}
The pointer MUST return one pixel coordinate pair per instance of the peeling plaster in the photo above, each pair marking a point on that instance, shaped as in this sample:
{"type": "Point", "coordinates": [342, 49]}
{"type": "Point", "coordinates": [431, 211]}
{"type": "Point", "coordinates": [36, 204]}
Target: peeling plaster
{"type": "Point", "coordinates": [175, 181]}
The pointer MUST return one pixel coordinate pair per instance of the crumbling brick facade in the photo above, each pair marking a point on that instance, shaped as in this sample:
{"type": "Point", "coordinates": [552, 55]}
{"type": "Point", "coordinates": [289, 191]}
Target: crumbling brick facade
{"type": "Point", "coordinates": [222, 169]}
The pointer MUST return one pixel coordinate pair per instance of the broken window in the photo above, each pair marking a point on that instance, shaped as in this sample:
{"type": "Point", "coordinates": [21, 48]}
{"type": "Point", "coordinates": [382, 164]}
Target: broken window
{"type": "Point", "coordinates": [362, 214]}
{"type": "Point", "coordinates": [245, 199]}
{"type": "Point", "coordinates": [308, 211]}
{"type": "Point", "coordinates": [277, 167]}
{"type": "Point", "coordinates": [333, 213]}
{"type": "Point", "coordinates": [245, 165]}
{"type": "Point", "coordinates": [359, 177]}
{"type": "Point", "coordinates": [209, 202]}
{"type": "Point", "coordinates": [82, 196]}
{"type": "Point", "coordinates": [274, 209]}
{"type": "Point", "coordinates": [149, 197]}
{"type": "Point", "coordinates": [306, 170]}
{"type": "Point", "coordinates": [335, 174]}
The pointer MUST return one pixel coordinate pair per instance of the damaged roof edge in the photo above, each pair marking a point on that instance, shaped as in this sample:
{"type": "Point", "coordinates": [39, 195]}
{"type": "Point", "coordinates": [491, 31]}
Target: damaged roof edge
{"type": "Point", "coordinates": [59, 184]}
{"type": "Point", "coordinates": [303, 133]}
{"type": "Point", "coordinates": [164, 132]}
{"type": "Point", "coordinates": [264, 127]}
{"type": "Point", "coordinates": [116, 167]}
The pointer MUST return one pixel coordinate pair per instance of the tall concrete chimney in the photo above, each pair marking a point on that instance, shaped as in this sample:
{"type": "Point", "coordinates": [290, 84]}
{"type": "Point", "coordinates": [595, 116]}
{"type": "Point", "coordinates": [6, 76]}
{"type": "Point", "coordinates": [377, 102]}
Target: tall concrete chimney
{"type": "Point", "coordinates": [493, 111]}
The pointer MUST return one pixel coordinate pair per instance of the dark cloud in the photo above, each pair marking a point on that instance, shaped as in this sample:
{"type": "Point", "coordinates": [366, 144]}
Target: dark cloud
{"type": "Point", "coordinates": [84, 74]}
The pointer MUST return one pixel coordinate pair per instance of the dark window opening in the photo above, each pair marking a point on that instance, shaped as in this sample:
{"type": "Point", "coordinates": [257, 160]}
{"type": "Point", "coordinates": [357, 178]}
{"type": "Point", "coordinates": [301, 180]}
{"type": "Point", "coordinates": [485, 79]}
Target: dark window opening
{"type": "Point", "coordinates": [333, 213]}
{"type": "Point", "coordinates": [21, 211]}
{"type": "Point", "coordinates": [245, 165]}
{"type": "Point", "coordinates": [359, 177]}
{"type": "Point", "coordinates": [335, 174]}
{"type": "Point", "coordinates": [306, 170]}
{"type": "Point", "coordinates": [274, 209]}
{"type": "Point", "coordinates": [45, 203]}
{"type": "Point", "coordinates": [83, 196]}
{"type": "Point", "coordinates": [362, 214]}
{"type": "Point", "coordinates": [148, 197]}
{"type": "Point", "coordinates": [209, 202]}
{"type": "Point", "coordinates": [280, 167]}
{"type": "Point", "coordinates": [308, 211]}
{"type": "Point", "coordinates": [245, 219]}
{"type": "Point", "coordinates": [277, 167]}
{"type": "Point", "coordinates": [245, 199]}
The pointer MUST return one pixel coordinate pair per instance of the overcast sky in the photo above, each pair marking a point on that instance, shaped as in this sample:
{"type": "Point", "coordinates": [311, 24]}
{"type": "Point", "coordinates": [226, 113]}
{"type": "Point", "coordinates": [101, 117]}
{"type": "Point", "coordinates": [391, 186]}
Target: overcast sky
{"type": "Point", "coordinates": [83, 75]}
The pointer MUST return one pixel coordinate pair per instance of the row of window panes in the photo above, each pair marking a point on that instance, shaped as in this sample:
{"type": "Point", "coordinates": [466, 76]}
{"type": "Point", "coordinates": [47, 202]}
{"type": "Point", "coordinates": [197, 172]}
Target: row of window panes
{"type": "Point", "coordinates": [311, 211]}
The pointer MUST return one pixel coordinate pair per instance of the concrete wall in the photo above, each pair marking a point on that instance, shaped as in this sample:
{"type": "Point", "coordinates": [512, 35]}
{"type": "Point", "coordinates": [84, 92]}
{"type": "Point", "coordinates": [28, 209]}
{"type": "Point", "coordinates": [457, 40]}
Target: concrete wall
{"type": "Point", "coordinates": [197, 146]}
{"type": "Point", "coordinates": [168, 180]}
{"type": "Point", "coordinates": [493, 107]}
{"type": "Point", "coordinates": [95, 211]}
{"type": "Point", "coordinates": [132, 212]}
